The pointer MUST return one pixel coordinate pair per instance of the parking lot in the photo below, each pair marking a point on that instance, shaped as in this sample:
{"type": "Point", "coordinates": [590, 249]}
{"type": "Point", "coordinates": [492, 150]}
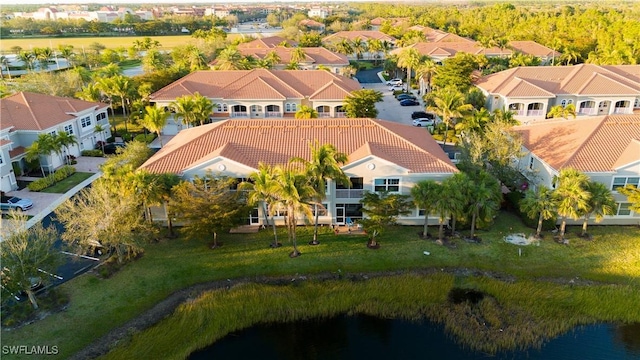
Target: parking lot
{"type": "Point", "coordinates": [390, 109]}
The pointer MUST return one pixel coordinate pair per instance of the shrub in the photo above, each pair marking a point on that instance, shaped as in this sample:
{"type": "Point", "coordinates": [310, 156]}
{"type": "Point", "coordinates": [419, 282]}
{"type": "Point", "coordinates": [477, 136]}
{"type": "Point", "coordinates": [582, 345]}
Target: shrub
{"type": "Point", "coordinates": [60, 174]}
{"type": "Point", "coordinates": [512, 204]}
{"type": "Point", "coordinates": [92, 153]}
{"type": "Point", "coordinates": [148, 138]}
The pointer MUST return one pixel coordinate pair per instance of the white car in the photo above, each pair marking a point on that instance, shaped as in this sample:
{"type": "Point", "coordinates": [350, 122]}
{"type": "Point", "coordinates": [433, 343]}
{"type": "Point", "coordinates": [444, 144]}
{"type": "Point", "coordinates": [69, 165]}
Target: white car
{"type": "Point", "coordinates": [424, 122]}
{"type": "Point", "coordinates": [396, 82]}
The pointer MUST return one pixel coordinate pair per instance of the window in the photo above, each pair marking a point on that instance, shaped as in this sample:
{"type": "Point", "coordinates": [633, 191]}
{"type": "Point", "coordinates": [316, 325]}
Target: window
{"type": "Point", "coordinates": [290, 107]}
{"type": "Point", "coordinates": [531, 161]}
{"type": "Point", "coordinates": [636, 103]}
{"type": "Point", "coordinates": [223, 108]}
{"type": "Point", "coordinates": [1, 161]}
{"type": "Point", "coordinates": [420, 212]}
{"type": "Point", "coordinates": [282, 213]}
{"type": "Point", "coordinates": [256, 108]}
{"type": "Point", "coordinates": [69, 129]}
{"type": "Point", "coordinates": [101, 116]}
{"type": "Point", "coordinates": [85, 121]}
{"type": "Point", "coordinates": [53, 133]}
{"type": "Point", "coordinates": [322, 210]}
{"type": "Point", "coordinates": [563, 103]}
{"type": "Point", "coordinates": [273, 108]}
{"type": "Point", "coordinates": [624, 209]}
{"type": "Point", "coordinates": [619, 182]}
{"type": "Point", "coordinates": [356, 183]}
{"type": "Point", "coordinates": [570, 102]}
{"type": "Point", "coordinates": [387, 184]}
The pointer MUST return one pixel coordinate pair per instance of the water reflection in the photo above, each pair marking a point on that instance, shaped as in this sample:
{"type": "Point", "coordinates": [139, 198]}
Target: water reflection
{"type": "Point", "coordinates": [365, 337]}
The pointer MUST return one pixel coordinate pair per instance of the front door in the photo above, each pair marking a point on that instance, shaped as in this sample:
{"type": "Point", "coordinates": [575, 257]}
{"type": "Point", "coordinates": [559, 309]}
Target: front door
{"type": "Point", "coordinates": [254, 219]}
{"type": "Point", "coordinates": [340, 214]}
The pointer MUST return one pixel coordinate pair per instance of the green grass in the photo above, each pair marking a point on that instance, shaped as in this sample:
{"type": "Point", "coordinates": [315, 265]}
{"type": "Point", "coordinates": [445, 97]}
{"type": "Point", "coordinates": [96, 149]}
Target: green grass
{"type": "Point", "coordinates": [67, 184]}
{"type": "Point", "coordinates": [97, 306]}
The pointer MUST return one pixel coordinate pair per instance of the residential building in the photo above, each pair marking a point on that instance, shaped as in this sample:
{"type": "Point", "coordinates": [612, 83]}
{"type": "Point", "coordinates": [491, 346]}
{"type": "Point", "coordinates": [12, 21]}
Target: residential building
{"type": "Point", "coordinates": [439, 51]}
{"type": "Point", "coordinates": [606, 148]}
{"type": "Point", "coordinates": [312, 25]}
{"type": "Point", "coordinates": [260, 93]}
{"type": "Point", "coordinates": [105, 14]}
{"type": "Point", "coordinates": [594, 90]}
{"type": "Point", "coordinates": [382, 155]}
{"type": "Point", "coordinates": [26, 115]}
{"type": "Point", "coordinates": [319, 12]}
{"type": "Point", "coordinates": [219, 12]}
{"type": "Point", "coordinates": [379, 21]}
{"type": "Point", "coordinates": [435, 35]}
{"type": "Point", "coordinates": [360, 35]}
{"type": "Point", "coordinates": [314, 57]}
{"type": "Point", "coordinates": [546, 55]}
{"type": "Point", "coordinates": [267, 43]}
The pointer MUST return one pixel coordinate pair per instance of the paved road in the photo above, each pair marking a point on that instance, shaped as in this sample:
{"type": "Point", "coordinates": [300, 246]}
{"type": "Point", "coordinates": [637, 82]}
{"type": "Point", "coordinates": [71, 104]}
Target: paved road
{"type": "Point", "coordinates": [369, 76]}
{"type": "Point", "coordinates": [390, 109]}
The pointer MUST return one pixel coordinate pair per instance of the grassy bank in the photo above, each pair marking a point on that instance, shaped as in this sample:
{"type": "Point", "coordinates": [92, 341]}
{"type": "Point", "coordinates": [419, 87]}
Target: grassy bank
{"type": "Point", "coordinates": [510, 316]}
{"type": "Point", "coordinates": [67, 184]}
{"type": "Point", "coordinates": [97, 306]}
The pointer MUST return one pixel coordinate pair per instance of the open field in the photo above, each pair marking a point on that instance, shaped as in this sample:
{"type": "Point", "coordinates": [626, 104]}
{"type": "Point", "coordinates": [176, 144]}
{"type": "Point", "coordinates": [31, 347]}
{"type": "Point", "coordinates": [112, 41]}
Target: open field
{"type": "Point", "coordinates": [171, 265]}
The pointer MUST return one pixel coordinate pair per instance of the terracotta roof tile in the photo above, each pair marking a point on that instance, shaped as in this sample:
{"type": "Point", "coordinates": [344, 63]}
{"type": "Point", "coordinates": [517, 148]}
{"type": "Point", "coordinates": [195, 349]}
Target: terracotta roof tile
{"type": "Point", "coordinates": [5, 142]}
{"type": "Point", "coordinates": [31, 111]}
{"type": "Point", "coordinates": [266, 43]}
{"type": "Point", "coordinates": [17, 151]}
{"type": "Point", "coordinates": [314, 55]}
{"type": "Point", "coordinates": [275, 141]}
{"type": "Point", "coordinates": [532, 48]}
{"type": "Point", "coordinates": [239, 84]}
{"type": "Point", "coordinates": [594, 144]}
{"type": "Point", "coordinates": [453, 47]}
{"type": "Point", "coordinates": [362, 34]}
{"type": "Point", "coordinates": [521, 88]}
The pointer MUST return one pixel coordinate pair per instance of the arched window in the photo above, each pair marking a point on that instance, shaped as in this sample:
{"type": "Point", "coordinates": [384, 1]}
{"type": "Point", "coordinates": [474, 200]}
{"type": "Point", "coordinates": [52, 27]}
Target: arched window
{"type": "Point", "coordinates": [323, 111]}
{"type": "Point", "coordinates": [563, 103]}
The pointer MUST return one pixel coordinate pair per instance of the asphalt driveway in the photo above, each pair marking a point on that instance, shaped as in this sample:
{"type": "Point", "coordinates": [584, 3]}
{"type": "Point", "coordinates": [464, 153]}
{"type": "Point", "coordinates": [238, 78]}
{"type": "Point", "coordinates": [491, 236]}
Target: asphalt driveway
{"type": "Point", "coordinates": [390, 109]}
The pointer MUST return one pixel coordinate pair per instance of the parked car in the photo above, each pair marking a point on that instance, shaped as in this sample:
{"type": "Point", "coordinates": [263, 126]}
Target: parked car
{"type": "Point", "coordinates": [395, 81]}
{"type": "Point", "coordinates": [15, 203]}
{"type": "Point", "coordinates": [424, 122]}
{"type": "Point", "coordinates": [409, 102]}
{"type": "Point", "coordinates": [110, 148]}
{"type": "Point", "coordinates": [421, 114]}
{"type": "Point", "coordinates": [405, 96]}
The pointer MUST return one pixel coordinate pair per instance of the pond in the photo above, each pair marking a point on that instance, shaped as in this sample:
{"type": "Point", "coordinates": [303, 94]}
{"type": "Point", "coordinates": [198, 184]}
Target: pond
{"type": "Point", "coordinates": [365, 337]}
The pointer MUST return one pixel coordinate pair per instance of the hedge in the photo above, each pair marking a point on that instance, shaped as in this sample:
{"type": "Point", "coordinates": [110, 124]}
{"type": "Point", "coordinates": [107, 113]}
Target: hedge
{"type": "Point", "coordinates": [59, 175]}
{"type": "Point", "coordinates": [92, 153]}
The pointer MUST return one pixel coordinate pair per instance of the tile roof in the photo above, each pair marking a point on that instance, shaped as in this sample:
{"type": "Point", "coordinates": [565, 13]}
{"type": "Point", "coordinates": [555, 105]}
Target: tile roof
{"type": "Point", "coordinates": [532, 48]}
{"type": "Point", "coordinates": [593, 144]}
{"type": "Point", "coordinates": [583, 79]}
{"type": "Point", "coordinates": [255, 84]}
{"type": "Point", "coordinates": [449, 49]}
{"type": "Point", "coordinates": [266, 43]}
{"type": "Point", "coordinates": [362, 34]}
{"type": "Point", "coordinates": [31, 111]}
{"type": "Point", "coordinates": [275, 141]}
{"type": "Point", "coordinates": [314, 55]}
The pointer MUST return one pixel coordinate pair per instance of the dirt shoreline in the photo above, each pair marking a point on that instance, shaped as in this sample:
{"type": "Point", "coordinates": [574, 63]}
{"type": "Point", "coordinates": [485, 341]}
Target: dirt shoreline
{"type": "Point", "coordinates": [167, 306]}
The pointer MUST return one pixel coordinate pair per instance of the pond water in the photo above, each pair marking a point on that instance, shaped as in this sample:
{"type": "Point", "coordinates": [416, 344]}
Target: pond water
{"type": "Point", "coordinates": [364, 337]}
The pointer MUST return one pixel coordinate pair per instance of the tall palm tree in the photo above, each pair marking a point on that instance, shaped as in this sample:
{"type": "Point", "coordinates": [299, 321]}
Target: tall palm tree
{"type": "Point", "coordinates": [45, 144]}
{"type": "Point", "coordinates": [272, 58]}
{"type": "Point", "coordinates": [65, 140]}
{"type": "Point", "coordinates": [118, 86]}
{"type": "Point", "coordinates": [449, 103]}
{"type": "Point", "coordinates": [425, 193]}
{"type": "Point", "coordinates": [325, 164]}
{"type": "Point", "coordinates": [600, 203]}
{"type": "Point", "coordinates": [442, 206]}
{"type": "Point", "coordinates": [33, 153]}
{"type": "Point", "coordinates": [203, 108]}
{"type": "Point", "coordinates": [409, 58]}
{"type": "Point", "coordinates": [291, 189]}
{"type": "Point", "coordinates": [344, 47]}
{"type": "Point", "coordinates": [155, 119]}
{"type": "Point", "coordinates": [541, 203]}
{"type": "Point", "coordinates": [633, 196]}
{"type": "Point", "coordinates": [298, 55]}
{"type": "Point", "coordinates": [425, 72]}
{"type": "Point", "coordinates": [229, 59]}
{"type": "Point", "coordinates": [99, 129]}
{"type": "Point", "coordinates": [260, 190]}
{"type": "Point", "coordinates": [4, 64]}
{"type": "Point", "coordinates": [185, 108]}
{"type": "Point", "coordinates": [359, 47]}
{"type": "Point", "coordinates": [459, 189]}
{"type": "Point", "coordinates": [66, 51]}
{"type": "Point", "coordinates": [485, 198]}
{"type": "Point", "coordinates": [375, 46]}
{"type": "Point", "coordinates": [306, 112]}
{"type": "Point", "coordinates": [28, 58]}
{"type": "Point", "coordinates": [571, 195]}
{"type": "Point", "coordinates": [43, 55]}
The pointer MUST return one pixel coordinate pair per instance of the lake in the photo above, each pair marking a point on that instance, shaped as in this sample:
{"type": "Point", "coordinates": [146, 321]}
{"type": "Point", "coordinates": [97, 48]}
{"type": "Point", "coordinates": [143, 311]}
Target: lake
{"type": "Point", "coordinates": [365, 337]}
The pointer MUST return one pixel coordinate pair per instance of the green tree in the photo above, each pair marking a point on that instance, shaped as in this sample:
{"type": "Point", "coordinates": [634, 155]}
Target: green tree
{"type": "Point", "coordinates": [344, 47]}
{"type": "Point", "coordinates": [601, 202]}
{"type": "Point", "coordinates": [306, 112]}
{"type": "Point", "coordinates": [33, 153]}
{"type": "Point", "coordinates": [99, 129]}
{"type": "Point", "coordinates": [359, 47]}
{"type": "Point", "coordinates": [425, 71]}
{"type": "Point", "coordinates": [272, 58]}
{"type": "Point", "coordinates": [155, 119]}
{"type": "Point", "coordinates": [409, 58]}
{"type": "Point", "coordinates": [298, 55]}
{"type": "Point", "coordinates": [65, 140]}
{"type": "Point", "coordinates": [541, 203]}
{"type": "Point", "coordinates": [120, 87]}
{"type": "Point", "coordinates": [382, 210]}
{"type": "Point", "coordinates": [571, 195]}
{"type": "Point", "coordinates": [456, 72]}
{"type": "Point", "coordinates": [563, 112]}
{"type": "Point", "coordinates": [485, 199]}
{"type": "Point", "coordinates": [449, 104]}
{"type": "Point", "coordinates": [185, 109]}
{"type": "Point", "coordinates": [229, 59]}
{"type": "Point", "coordinates": [362, 103]}
{"type": "Point", "coordinates": [292, 191]}
{"type": "Point", "coordinates": [209, 206]}
{"type": "Point", "coordinates": [633, 196]}
{"type": "Point", "coordinates": [425, 193]}
{"type": "Point", "coordinates": [325, 164]}
{"type": "Point", "coordinates": [203, 108]}
{"type": "Point", "coordinates": [260, 191]}
{"type": "Point", "coordinates": [24, 253]}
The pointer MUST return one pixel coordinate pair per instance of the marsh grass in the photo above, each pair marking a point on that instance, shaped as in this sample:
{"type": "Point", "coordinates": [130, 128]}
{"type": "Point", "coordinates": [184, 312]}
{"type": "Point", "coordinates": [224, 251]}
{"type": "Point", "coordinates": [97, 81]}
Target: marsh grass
{"type": "Point", "coordinates": [100, 305]}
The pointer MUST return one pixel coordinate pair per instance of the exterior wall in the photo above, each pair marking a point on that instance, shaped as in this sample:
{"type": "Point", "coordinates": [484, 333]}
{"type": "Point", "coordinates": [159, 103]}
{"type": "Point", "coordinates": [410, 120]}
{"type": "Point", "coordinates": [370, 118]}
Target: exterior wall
{"type": "Point", "coordinates": [7, 177]}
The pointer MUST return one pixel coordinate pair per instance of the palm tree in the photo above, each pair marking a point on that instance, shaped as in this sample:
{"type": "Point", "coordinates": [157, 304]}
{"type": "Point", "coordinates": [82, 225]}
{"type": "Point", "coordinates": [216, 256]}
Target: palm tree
{"type": "Point", "coordinates": [485, 198]}
{"type": "Point", "coordinates": [325, 164]}
{"type": "Point", "coordinates": [229, 59]}
{"type": "Point", "coordinates": [375, 46]}
{"type": "Point", "coordinates": [185, 108]}
{"type": "Point", "coordinates": [28, 58]}
{"type": "Point", "coordinates": [33, 153]}
{"type": "Point", "coordinates": [45, 144]}
{"type": "Point", "coordinates": [4, 64]}
{"type": "Point", "coordinates": [539, 202]}
{"type": "Point", "coordinates": [121, 87]}
{"type": "Point", "coordinates": [260, 191]}
{"type": "Point", "coordinates": [66, 51]}
{"type": "Point", "coordinates": [501, 43]}
{"type": "Point", "coordinates": [64, 139]}
{"type": "Point", "coordinates": [306, 112]}
{"type": "Point", "coordinates": [359, 47]}
{"type": "Point", "coordinates": [459, 189]}
{"type": "Point", "coordinates": [43, 55]}
{"type": "Point", "coordinates": [442, 206]}
{"type": "Point", "coordinates": [425, 193]}
{"type": "Point", "coordinates": [571, 195]}
{"type": "Point", "coordinates": [292, 66]}
{"type": "Point", "coordinates": [344, 47]}
{"type": "Point", "coordinates": [291, 189]}
{"type": "Point", "coordinates": [155, 119]}
{"type": "Point", "coordinates": [600, 203]}
{"type": "Point", "coordinates": [99, 129]}
{"type": "Point", "coordinates": [633, 196]}
{"type": "Point", "coordinates": [272, 58]}
{"type": "Point", "coordinates": [563, 112]}
{"type": "Point", "coordinates": [203, 108]}
{"type": "Point", "coordinates": [449, 104]}
{"type": "Point", "coordinates": [425, 72]}
{"type": "Point", "coordinates": [409, 58]}
{"type": "Point", "coordinates": [298, 55]}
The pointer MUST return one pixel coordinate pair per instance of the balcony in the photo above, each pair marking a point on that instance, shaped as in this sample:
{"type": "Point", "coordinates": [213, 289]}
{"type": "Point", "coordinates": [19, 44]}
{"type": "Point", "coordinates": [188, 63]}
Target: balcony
{"type": "Point", "coordinates": [240, 114]}
{"type": "Point", "coordinates": [341, 114]}
{"type": "Point", "coordinates": [621, 110]}
{"type": "Point", "coordinates": [324, 115]}
{"type": "Point", "coordinates": [588, 111]}
{"type": "Point", "coordinates": [273, 114]}
{"type": "Point", "coordinates": [349, 193]}
{"type": "Point", "coordinates": [535, 113]}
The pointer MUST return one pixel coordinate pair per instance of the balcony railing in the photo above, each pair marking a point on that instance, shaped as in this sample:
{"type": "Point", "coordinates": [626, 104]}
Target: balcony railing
{"type": "Point", "coordinates": [519, 112]}
{"type": "Point", "coordinates": [272, 114]}
{"type": "Point", "coordinates": [588, 111]}
{"type": "Point", "coordinates": [324, 114]}
{"type": "Point", "coordinates": [349, 193]}
{"type": "Point", "coordinates": [240, 114]}
{"type": "Point", "coordinates": [341, 114]}
{"type": "Point", "coordinates": [621, 110]}
{"type": "Point", "coordinates": [535, 112]}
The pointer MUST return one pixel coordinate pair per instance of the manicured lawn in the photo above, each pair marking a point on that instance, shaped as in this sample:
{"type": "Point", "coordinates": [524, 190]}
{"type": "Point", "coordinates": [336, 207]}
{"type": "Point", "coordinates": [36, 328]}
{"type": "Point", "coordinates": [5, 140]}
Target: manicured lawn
{"type": "Point", "coordinates": [68, 183]}
{"type": "Point", "coordinates": [98, 306]}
